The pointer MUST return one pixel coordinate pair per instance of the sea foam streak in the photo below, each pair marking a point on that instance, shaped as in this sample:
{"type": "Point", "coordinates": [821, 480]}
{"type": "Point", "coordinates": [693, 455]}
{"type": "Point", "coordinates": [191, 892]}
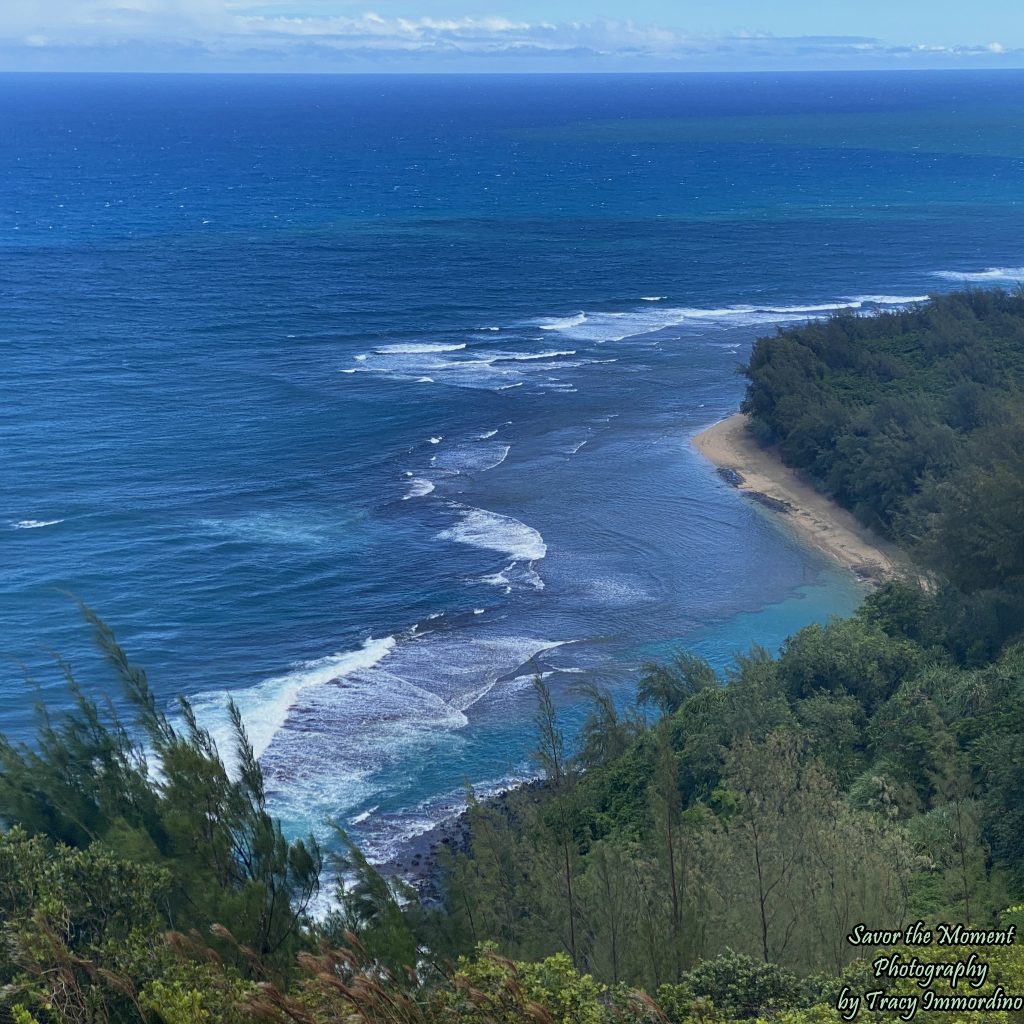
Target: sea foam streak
{"type": "Point", "coordinates": [617, 326]}
{"type": "Point", "coordinates": [563, 323]}
{"type": "Point", "coordinates": [360, 818]}
{"type": "Point", "coordinates": [34, 524]}
{"type": "Point", "coordinates": [890, 300]}
{"type": "Point", "coordinates": [265, 706]}
{"type": "Point", "coordinates": [332, 756]}
{"type": "Point", "coordinates": [419, 488]}
{"type": "Point", "coordinates": [989, 274]}
{"type": "Point", "coordinates": [387, 834]}
{"type": "Point", "coordinates": [414, 348]}
{"type": "Point", "coordinates": [526, 357]}
{"type": "Point", "coordinates": [515, 574]}
{"type": "Point", "coordinates": [474, 458]}
{"type": "Point", "coordinates": [482, 529]}
{"type": "Point", "coordinates": [478, 369]}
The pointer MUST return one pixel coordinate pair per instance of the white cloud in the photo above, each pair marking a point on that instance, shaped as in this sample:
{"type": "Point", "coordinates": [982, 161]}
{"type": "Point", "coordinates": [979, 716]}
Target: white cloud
{"type": "Point", "coordinates": [226, 35]}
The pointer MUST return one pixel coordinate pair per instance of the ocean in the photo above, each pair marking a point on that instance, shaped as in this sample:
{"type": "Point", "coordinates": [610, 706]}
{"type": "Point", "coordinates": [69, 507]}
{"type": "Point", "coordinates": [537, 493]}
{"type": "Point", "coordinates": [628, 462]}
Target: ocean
{"type": "Point", "coordinates": [360, 400]}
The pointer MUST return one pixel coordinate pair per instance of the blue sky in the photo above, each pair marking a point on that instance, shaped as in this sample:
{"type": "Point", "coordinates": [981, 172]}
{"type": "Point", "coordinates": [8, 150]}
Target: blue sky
{"type": "Point", "coordinates": [508, 35]}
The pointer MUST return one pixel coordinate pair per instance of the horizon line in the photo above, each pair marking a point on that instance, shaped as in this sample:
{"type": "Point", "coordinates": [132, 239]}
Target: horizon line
{"type": "Point", "coordinates": [618, 72]}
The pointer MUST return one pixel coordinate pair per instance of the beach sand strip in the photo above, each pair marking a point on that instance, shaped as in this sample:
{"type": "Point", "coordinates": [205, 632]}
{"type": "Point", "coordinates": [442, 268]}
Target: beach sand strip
{"type": "Point", "coordinates": [816, 519]}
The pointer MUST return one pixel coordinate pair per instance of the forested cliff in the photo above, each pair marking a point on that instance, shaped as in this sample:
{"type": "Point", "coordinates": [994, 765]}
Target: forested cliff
{"type": "Point", "coordinates": [914, 420]}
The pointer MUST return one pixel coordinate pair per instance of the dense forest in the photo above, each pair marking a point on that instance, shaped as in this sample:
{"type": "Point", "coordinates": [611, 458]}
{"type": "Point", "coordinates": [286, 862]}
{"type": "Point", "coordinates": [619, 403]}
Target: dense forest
{"type": "Point", "coordinates": [700, 853]}
{"type": "Point", "coordinates": [914, 420]}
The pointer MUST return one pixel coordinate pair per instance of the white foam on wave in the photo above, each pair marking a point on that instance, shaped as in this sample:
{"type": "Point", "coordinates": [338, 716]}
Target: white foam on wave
{"type": "Point", "coordinates": [390, 835]}
{"type": "Point", "coordinates": [601, 327]}
{"type": "Point", "coordinates": [419, 488]}
{"type": "Point", "coordinates": [494, 532]}
{"type": "Point", "coordinates": [360, 818]}
{"type": "Point", "coordinates": [820, 307]}
{"type": "Point", "coordinates": [476, 458]}
{"type": "Point", "coordinates": [361, 358]}
{"type": "Point", "coordinates": [513, 575]}
{"type": "Point", "coordinates": [651, 298]}
{"type": "Point", "coordinates": [989, 274]}
{"type": "Point", "coordinates": [265, 706]}
{"type": "Point", "coordinates": [479, 368]}
{"type": "Point", "coordinates": [889, 300]}
{"type": "Point", "coordinates": [527, 357]}
{"type": "Point", "coordinates": [485, 435]}
{"type": "Point", "coordinates": [436, 440]}
{"type": "Point", "coordinates": [342, 743]}
{"type": "Point", "coordinates": [34, 524]}
{"type": "Point", "coordinates": [562, 323]}
{"type": "Point", "coordinates": [499, 579]}
{"type": "Point", "coordinates": [415, 348]}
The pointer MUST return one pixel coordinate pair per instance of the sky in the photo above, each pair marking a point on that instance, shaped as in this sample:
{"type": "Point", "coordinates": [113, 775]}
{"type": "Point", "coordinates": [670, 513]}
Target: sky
{"type": "Point", "coordinates": [508, 35]}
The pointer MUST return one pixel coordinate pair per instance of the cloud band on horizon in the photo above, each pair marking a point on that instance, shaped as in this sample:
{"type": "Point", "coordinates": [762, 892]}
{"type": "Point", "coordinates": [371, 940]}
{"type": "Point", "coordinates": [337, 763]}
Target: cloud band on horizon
{"type": "Point", "coordinates": [212, 35]}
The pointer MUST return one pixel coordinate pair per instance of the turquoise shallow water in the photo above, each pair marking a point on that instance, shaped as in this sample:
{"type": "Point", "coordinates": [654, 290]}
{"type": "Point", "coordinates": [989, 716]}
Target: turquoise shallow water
{"type": "Point", "coordinates": [359, 398]}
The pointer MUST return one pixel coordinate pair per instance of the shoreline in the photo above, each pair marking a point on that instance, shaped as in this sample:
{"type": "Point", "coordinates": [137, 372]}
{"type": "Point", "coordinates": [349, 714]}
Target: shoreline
{"type": "Point", "coordinates": [418, 862]}
{"type": "Point", "coordinates": [817, 520]}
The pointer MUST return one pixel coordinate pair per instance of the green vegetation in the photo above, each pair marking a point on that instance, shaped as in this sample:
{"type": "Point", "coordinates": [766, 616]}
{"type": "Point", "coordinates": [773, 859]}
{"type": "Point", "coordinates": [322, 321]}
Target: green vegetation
{"type": "Point", "coordinates": [858, 777]}
{"type": "Point", "coordinates": [914, 420]}
{"type": "Point", "coordinates": [698, 858]}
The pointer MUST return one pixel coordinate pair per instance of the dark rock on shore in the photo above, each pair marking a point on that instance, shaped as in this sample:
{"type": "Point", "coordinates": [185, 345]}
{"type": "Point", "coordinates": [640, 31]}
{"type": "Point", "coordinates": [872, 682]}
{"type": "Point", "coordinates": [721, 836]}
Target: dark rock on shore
{"type": "Point", "coordinates": [775, 504]}
{"type": "Point", "coordinates": [420, 862]}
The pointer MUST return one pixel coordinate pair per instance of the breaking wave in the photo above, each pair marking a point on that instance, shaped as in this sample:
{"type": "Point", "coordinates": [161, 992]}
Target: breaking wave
{"type": "Point", "coordinates": [989, 274]}
{"type": "Point", "coordinates": [505, 534]}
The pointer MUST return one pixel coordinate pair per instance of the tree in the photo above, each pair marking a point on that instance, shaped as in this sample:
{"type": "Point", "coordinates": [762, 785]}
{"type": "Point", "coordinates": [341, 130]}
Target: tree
{"type": "Point", "coordinates": [84, 938]}
{"type": "Point", "coordinates": [87, 781]}
{"type": "Point", "coordinates": [610, 909]}
{"type": "Point", "coordinates": [847, 656]}
{"type": "Point", "coordinates": [605, 735]}
{"type": "Point", "coordinates": [668, 686]}
{"type": "Point", "coordinates": [671, 842]}
{"type": "Point", "coordinates": [370, 907]}
{"type": "Point", "coordinates": [791, 865]}
{"type": "Point", "coordinates": [551, 756]}
{"type": "Point", "coordinates": [483, 889]}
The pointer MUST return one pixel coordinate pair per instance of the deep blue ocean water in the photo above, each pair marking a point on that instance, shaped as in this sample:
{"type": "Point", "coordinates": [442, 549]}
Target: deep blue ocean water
{"type": "Point", "coordinates": [360, 398]}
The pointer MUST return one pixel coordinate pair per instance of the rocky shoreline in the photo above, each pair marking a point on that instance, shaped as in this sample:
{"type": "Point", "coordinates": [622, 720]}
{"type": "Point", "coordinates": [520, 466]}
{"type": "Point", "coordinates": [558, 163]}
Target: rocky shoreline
{"type": "Point", "coordinates": [420, 861]}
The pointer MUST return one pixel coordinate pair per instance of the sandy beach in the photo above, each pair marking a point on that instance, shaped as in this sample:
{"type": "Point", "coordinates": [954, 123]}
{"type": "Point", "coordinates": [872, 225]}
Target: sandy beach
{"type": "Point", "coordinates": [818, 520]}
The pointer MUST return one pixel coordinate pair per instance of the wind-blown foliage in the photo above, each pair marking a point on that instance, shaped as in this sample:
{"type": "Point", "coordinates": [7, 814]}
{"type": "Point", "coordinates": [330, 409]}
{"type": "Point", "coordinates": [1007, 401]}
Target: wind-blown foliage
{"type": "Point", "coordinates": [87, 783]}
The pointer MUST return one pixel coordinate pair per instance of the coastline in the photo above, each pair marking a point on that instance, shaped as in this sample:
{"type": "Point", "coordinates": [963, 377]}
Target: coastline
{"type": "Point", "coordinates": [757, 472]}
{"type": "Point", "coordinates": [419, 862]}
{"type": "Point", "coordinates": [818, 520]}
